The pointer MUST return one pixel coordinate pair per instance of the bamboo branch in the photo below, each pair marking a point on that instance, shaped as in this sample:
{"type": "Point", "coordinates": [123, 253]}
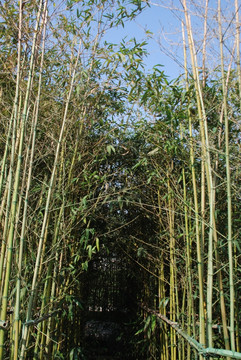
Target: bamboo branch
{"type": "Point", "coordinates": [42, 318]}
{"type": "Point", "coordinates": [206, 352]}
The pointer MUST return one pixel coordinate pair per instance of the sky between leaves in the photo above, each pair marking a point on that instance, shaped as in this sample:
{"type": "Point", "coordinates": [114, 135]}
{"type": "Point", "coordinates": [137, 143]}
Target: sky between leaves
{"type": "Point", "coordinates": [165, 45]}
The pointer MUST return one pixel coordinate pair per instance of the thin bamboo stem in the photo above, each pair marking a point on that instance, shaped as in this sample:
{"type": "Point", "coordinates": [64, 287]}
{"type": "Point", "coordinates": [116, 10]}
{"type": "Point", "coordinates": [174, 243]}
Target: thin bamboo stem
{"type": "Point", "coordinates": [238, 48]}
{"type": "Point", "coordinates": [206, 352]}
{"type": "Point", "coordinates": [196, 207]}
{"type": "Point", "coordinates": [16, 186]}
{"type": "Point", "coordinates": [20, 257]}
{"type": "Point", "coordinates": [204, 44]}
{"type": "Point", "coordinates": [206, 152]}
{"type": "Point", "coordinates": [229, 196]}
{"type": "Point", "coordinates": [46, 213]}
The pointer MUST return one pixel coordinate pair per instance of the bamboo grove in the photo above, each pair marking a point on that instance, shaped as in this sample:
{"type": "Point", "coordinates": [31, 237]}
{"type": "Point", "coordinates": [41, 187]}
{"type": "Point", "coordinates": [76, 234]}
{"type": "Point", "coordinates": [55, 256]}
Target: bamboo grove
{"type": "Point", "coordinates": [98, 155]}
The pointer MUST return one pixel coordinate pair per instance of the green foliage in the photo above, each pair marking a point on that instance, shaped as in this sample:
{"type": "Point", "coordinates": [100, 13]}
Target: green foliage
{"type": "Point", "coordinates": [76, 354]}
{"type": "Point", "coordinates": [123, 179]}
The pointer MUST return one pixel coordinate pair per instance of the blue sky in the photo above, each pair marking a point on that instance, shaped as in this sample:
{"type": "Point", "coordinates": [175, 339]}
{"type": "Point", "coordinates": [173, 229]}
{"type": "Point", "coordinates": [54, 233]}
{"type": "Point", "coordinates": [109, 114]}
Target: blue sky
{"type": "Point", "coordinates": [155, 19]}
{"type": "Point", "coordinates": [166, 29]}
{"type": "Point", "coordinates": [165, 25]}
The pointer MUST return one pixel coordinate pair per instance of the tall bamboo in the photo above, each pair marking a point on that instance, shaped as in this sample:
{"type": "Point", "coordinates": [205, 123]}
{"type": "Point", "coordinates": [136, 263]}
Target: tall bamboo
{"type": "Point", "coordinates": [239, 83]}
{"type": "Point", "coordinates": [12, 130]}
{"type": "Point", "coordinates": [46, 213]}
{"type": "Point", "coordinates": [203, 182]}
{"type": "Point", "coordinates": [188, 265]}
{"type": "Point", "coordinates": [162, 292]}
{"type": "Point", "coordinates": [6, 150]}
{"type": "Point", "coordinates": [48, 296]}
{"type": "Point", "coordinates": [238, 48]}
{"type": "Point", "coordinates": [20, 256]}
{"type": "Point", "coordinates": [16, 184]}
{"type": "Point", "coordinates": [173, 336]}
{"type": "Point", "coordinates": [229, 196]}
{"type": "Point", "coordinates": [196, 208]}
{"type": "Point", "coordinates": [206, 152]}
{"type": "Point", "coordinates": [204, 44]}
{"type": "Point", "coordinates": [187, 237]}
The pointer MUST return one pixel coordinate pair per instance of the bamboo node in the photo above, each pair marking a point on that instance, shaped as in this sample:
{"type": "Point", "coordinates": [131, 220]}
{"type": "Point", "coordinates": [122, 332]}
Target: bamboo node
{"type": "Point", "coordinates": [3, 324]}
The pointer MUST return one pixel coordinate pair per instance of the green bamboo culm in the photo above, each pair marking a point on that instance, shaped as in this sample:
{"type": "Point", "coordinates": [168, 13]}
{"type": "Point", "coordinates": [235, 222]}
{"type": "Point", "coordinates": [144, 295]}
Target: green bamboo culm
{"type": "Point", "coordinates": [208, 352]}
{"type": "Point", "coordinates": [11, 131]}
{"type": "Point", "coordinates": [16, 185]}
{"type": "Point", "coordinates": [21, 247]}
{"type": "Point", "coordinates": [238, 49]}
{"type": "Point", "coordinates": [197, 228]}
{"type": "Point", "coordinates": [207, 159]}
{"type": "Point", "coordinates": [46, 212]}
{"type": "Point", "coordinates": [196, 208]}
{"type": "Point", "coordinates": [239, 85]}
{"type": "Point", "coordinates": [228, 182]}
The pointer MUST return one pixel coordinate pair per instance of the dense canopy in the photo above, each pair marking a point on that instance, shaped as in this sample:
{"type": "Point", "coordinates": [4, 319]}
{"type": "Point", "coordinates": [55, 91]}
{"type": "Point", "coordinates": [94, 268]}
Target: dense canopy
{"type": "Point", "coordinates": [119, 188]}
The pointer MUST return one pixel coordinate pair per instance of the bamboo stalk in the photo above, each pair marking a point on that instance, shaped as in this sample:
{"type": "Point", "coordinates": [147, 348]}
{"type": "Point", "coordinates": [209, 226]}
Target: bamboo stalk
{"type": "Point", "coordinates": [20, 257]}
{"type": "Point", "coordinates": [204, 44]}
{"type": "Point", "coordinates": [162, 305]}
{"type": "Point", "coordinates": [173, 338]}
{"type": "Point", "coordinates": [51, 324]}
{"type": "Point", "coordinates": [239, 83]}
{"type": "Point", "coordinates": [16, 186]}
{"type": "Point", "coordinates": [217, 257]}
{"type": "Point", "coordinates": [17, 108]}
{"type": "Point", "coordinates": [14, 116]}
{"type": "Point", "coordinates": [48, 295]}
{"type": "Point", "coordinates": [238, 48]}
{"type": "Point", "coordinates": [196, 207]}
{"type": "Point", "coordinates": [3, 165]}
{"type": "Point", "coordinates": [48, 299]}
{"type": "Point", "coordinates": [206, 152]}
{"type": "Point", "coordinates": [188, 263]}
{"type": "Point", "coordinates": [46, 213]}
{"type": "Point", "coordinates": [206, 352]}
{"type": "Point", "coordinates": [229, 196]}
{"type": "Point", "coordinates": [203, 197]}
